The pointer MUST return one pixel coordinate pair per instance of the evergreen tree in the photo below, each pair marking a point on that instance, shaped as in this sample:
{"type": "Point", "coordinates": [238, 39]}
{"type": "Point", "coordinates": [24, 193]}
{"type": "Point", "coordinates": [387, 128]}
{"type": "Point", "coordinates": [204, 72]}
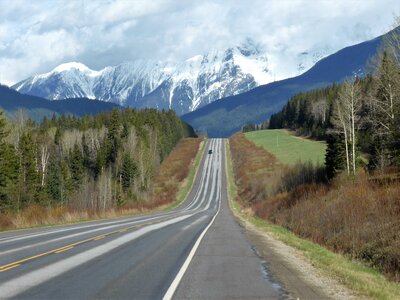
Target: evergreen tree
{"type": "Point", "coordinates": [385, 112]}
{"type": "Point", "coordinates": [22, 169]}
{"type": "Point", "coordinates": [9, 168]}
{"type": "Point", "coordinates": [113, 138]}
{"type": "Point", "coordinates": [57, 136]}
{"type": "Point", "coordinates": [128, 172]}
{"type": "Point", "coordinates": [76, 167]}
{"type": "Point", "coordinates": [29, 171]}
{"type": "Point", "coordinates": [334, 157]}
{"type": "Point", "coordinates": [55, 186]}
{"type": "Point", "coordinates": [88, 162]}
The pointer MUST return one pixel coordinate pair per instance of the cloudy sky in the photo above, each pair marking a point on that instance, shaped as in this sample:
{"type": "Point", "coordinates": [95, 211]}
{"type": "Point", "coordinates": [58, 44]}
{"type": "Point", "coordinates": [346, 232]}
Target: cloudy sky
{"type": "Point", "coordinates": [36, 36]}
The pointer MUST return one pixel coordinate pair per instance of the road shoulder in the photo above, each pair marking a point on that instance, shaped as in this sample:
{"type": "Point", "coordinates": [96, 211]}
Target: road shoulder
{"type": "Point", "coordinates": [288, 265]}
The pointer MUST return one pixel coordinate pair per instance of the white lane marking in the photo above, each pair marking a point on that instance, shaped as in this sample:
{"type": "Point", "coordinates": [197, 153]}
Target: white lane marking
{"type": "Point", "coordinates": [33, 235]}
{"type": "Point", "coordinates": [203, 174]}
{"type": "Point", "coordinates": [20, 284]}
{"type": "Point", "coordinates": [215, 179]}
{"type": "Point", "coordinates": [202, 191]}
{"type": "Point", "coordinates": [72, 236]}
{"type": "Point", "coordinates": [214, 182]}
{"type": "Point", "coordinates": [178, 278]}
{"type": "Point", "coordinates": [214, 195]}
{"type": "Point", "coordinates": [210, 178]}
{"type": "Point", "coordinates": [194, 223]}
{"type": "Point", "coordinates": [204, 179]}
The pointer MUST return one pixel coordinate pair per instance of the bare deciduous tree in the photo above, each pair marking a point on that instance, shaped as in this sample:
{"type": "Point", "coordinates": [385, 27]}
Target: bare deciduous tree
{"type": "Point", "coordinates": [346, 118]}
{"type": "Point", "coordinates": [44, 160]}
{"type": "Point", "coordinates": [319, 110]}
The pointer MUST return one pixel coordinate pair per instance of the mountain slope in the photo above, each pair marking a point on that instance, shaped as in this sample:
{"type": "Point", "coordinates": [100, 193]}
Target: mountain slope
{"type": "Point", "coordinates": [36, 108]}
{"type": "Point", "coordinates": [226, 116]}
{"type": "Point", "coordinates": [183, 87]}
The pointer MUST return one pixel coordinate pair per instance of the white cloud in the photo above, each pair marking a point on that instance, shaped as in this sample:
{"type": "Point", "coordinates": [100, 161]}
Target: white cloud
{"type": "Point", "coordinates": [36, 36]}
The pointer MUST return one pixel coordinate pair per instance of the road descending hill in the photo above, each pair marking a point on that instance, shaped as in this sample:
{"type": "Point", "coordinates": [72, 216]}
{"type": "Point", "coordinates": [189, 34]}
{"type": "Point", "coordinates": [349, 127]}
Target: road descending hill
{"type": "Point", "coordinates": [148, 257]}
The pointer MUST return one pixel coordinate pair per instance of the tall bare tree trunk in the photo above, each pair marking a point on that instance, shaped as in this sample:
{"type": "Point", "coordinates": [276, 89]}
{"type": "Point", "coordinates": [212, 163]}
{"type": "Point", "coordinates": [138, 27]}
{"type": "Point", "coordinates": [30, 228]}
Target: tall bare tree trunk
{"type": "Point", "coordinates": [342, 123]}
{"type": "Point", "coordinates": [353, 131]}
{"type": "Point", "coordinates": [44, 162]}
{"type": "Point", "coordinates": [346, 145]}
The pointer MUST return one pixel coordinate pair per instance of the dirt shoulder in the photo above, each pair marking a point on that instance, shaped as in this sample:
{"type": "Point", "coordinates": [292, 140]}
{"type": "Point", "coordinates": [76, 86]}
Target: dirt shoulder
{"type": "Point", "coordinates": [286, 263]}
{"type": "Point", "coordinates": [289, 266]}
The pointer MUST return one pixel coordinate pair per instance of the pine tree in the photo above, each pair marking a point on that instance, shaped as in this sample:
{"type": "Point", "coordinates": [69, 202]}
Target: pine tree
{"type": "Point", "coordinates": [9, 166]}
{"type": "Point", "coordinates": [385, 111]}
{"type": "Point", "coordinates": [76, 167]}
{"type": "Point", "coordinates": [29, 169]}
{"type": "Point", "coordinates": [57, 136]}
{"type": "Point", "coordinates": [128, 172]}
{"type": "Point", "coordinates": [113, 138]}
{"type": "Point", "coordinates": [334, 157]}
{"type": "Point", "coordinates": [55, 186]}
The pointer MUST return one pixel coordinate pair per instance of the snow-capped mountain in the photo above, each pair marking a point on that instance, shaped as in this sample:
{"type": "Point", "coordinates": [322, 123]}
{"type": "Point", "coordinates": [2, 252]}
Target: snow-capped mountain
{"type": "Point", "coordinates": [183, 86]}
{"type": "Point", "coordinates": [307, 59]}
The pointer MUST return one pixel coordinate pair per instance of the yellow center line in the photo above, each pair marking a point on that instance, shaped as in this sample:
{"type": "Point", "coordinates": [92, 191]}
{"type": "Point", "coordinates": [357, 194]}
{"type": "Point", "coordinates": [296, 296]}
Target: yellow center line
{"type": "Point", "coordinates": [9, 268]}
{"type": "Point", "coordinates": [70, 246]}
{"type": "Point", "coordinates": [62, 250]}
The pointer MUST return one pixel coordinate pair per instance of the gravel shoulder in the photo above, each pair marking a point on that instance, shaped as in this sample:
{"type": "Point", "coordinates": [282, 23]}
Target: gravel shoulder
{"type": "Point", "coordinates": [292, 269]}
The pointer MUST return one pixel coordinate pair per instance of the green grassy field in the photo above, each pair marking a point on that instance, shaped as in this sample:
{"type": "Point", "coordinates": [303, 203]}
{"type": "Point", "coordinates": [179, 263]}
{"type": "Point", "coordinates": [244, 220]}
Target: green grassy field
{"type": "Point", "coordinates": [288, 148]}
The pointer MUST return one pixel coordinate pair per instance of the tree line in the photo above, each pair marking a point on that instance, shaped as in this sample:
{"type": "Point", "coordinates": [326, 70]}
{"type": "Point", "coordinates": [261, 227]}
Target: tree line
{"type": "Point", "coordinates": [359, 118]}
{"type": "Point", "coordinates": [93, 162]}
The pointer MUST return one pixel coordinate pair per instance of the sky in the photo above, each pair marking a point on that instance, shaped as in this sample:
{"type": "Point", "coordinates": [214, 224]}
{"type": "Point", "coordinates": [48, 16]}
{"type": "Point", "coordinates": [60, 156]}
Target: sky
{"type": "Point", "coordinates": [36, 36]}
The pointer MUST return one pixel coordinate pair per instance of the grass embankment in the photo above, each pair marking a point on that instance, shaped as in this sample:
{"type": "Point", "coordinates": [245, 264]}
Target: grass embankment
{"type": "Point", "coordinates": [287, 148]}
{"type": "Point", "coordinates": [184, 169]}
{"type": "Point", "coordinates": [172, 184]}
{"type": "Point", "coordinates": [358, 219]}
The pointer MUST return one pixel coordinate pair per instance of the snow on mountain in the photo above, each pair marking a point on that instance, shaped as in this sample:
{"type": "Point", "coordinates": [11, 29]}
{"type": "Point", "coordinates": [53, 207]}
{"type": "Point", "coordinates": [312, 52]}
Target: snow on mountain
{"type": "Point", "coordinates": [309, 58]}
{"type": "Point", "coordinates": [183, 86]}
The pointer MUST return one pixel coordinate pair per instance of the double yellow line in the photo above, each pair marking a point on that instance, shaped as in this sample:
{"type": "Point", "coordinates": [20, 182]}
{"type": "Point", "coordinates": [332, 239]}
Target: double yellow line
{"type": "Point", "coordinates": [71, 246]}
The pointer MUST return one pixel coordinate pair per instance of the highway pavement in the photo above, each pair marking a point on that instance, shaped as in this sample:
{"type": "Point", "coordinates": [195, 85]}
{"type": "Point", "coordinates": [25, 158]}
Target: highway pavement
{"type": "Point", "coordinates": [195, 251]}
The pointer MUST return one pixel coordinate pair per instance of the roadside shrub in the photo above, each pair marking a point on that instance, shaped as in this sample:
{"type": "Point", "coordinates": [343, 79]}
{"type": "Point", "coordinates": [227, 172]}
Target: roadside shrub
{"type": "Point", "coordinates": [254, 170]}
{"type": "Point", "coordinates": [173, 171]}
{"type": "Point", "coordinates": [358, 217]}
{"type": "Point", "coordinates": [301, 174]}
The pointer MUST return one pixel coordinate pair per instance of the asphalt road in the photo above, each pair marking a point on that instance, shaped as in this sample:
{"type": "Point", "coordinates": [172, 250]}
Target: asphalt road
{"type": "Point", "coordinates": [195, 251]}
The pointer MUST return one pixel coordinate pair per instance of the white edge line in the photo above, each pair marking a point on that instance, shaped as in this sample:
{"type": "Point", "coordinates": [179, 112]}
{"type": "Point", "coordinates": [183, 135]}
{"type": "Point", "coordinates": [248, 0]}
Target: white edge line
{"type": "Point", "coordinates": [174, 285]}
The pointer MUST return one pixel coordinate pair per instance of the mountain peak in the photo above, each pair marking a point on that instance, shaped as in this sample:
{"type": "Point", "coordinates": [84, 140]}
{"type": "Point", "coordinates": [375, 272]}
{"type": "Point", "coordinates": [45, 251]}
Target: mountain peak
{"type": "Point", "coordinates": [249, 47]}
{"type": "Point", "coordinates": [72, 65]}
{"type": "Point", "coordinates": [183, 86]}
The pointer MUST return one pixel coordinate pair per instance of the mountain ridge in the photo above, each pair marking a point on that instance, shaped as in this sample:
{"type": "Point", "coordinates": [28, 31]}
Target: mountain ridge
{"type": "Point", "coordinates": [225, 116]}
{"type": "Point", "coordinates": [183, 86]}
{"type": "Point", "coordinates": [37, 108]}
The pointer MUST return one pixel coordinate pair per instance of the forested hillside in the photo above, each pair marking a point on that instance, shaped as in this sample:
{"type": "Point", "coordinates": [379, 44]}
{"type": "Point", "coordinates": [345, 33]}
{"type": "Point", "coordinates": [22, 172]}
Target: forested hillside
{"type": "Point", "coordinates": [37, 108]}
{"type": "Point", "coordinates": [360, 119]}
{"type": "Point", "coordinates": [89, 163]}
{"type": "Point", "coordinates": [224, 117]}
